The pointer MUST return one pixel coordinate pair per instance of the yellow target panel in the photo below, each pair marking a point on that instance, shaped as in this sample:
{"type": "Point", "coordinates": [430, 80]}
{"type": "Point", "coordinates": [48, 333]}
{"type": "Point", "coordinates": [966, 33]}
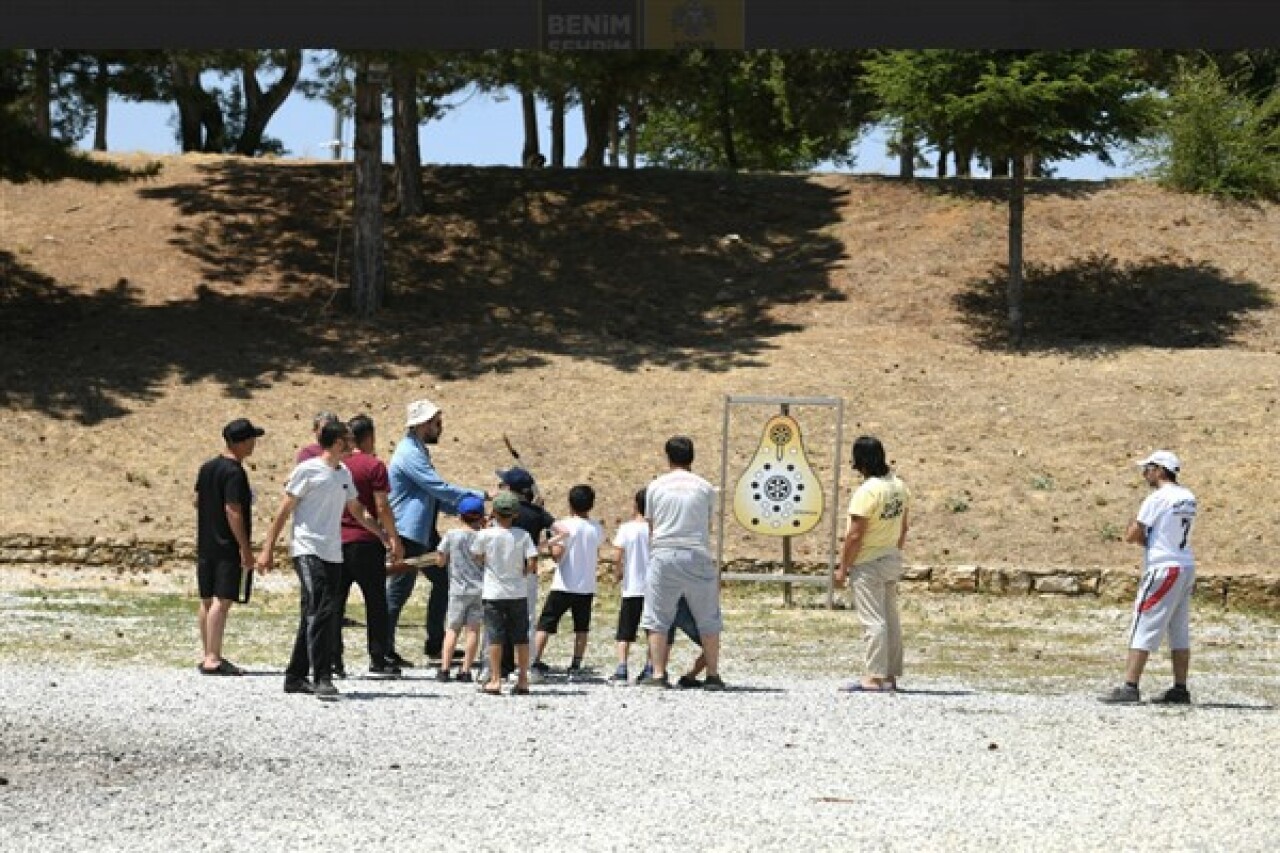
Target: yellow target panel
{"type": "Point", "coordinates": [778, 494]}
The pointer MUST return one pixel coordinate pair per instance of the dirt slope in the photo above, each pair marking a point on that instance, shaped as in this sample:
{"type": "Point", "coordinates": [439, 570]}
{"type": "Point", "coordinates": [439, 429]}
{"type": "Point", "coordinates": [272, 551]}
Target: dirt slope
{"type": "Point", "coordinates": [589, 316]}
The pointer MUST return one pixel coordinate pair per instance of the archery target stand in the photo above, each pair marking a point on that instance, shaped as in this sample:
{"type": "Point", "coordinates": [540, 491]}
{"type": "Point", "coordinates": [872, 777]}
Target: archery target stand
{"type": "Point", "coordinates": [779, 495]}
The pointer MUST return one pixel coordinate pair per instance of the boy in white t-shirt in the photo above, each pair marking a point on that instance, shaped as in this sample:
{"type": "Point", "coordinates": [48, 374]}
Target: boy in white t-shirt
{"type": "Point", "coordinates": [508, 556]}
{"type": "Point", "coordinates": [466, 583]}
{"type": "Point", "coordinates": [629, 568]}
{"type": "Point", "coordinates": [575, 545]}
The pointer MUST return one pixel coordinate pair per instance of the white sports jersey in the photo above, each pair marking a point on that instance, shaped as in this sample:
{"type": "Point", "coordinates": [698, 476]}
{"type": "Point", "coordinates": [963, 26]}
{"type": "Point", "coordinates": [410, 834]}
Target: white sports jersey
{"type": "Point", "coordinates": [1167, 514]}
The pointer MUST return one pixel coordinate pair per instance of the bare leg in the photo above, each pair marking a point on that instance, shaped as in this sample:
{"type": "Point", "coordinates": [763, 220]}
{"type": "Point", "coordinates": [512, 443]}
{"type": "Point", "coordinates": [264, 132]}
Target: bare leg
{"type": "Point", "coordinates": [580, 644]}
{"type": "Point", "coordinates": [699, 664]}
{"type": "Point", "coordinates": [471, 646]}
{"type": "Point", "coordinates": [446, 650]}
{"type": "Point", "coordinates": [522, 666]}
{"type": "Point", "coordinates": [711, 651]}
{"type": "Point", "coordinates": [658, 653]}
{"type": "Point", "coordinates": [215, 627]}
{"type": "Point", "coordinates": [1136, 663]}
{"type": "Point", "coordinates": [1181, 665]}
{"type": "Point", "coordinates": [495, 667]}
{"type": "Point", "coordinates": [624, 652]}
{"type": "Point", "coordinates": [540, 645]}
{"type": "Point", "coordinates": [202, 618]}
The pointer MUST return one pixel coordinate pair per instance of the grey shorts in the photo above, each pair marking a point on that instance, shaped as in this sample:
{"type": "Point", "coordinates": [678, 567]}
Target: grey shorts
{"type": "Point", "coordinates": [676, 572]}
{"type": "Point", "coordinates": [464, 610]}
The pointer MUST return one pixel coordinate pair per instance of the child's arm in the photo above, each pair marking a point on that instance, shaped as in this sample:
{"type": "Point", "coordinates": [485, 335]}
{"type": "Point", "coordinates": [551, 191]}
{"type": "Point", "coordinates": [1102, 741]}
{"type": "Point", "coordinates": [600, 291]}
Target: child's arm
{"type": "Point", "coordinates": [555, 545]}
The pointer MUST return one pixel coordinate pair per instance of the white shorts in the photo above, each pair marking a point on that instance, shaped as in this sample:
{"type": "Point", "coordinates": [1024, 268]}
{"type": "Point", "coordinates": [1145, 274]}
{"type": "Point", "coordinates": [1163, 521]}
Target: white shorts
{"type": "Point", "coordinates": [1163, 605]}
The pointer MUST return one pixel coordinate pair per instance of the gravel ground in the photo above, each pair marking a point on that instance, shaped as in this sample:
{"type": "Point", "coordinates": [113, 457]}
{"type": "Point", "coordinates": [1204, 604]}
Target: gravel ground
{"type": "Point", "coordinates": [158, 759]}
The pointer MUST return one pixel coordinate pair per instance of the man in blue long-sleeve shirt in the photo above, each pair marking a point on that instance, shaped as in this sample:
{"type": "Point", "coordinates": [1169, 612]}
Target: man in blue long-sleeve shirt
{"type": "Point", "coordinates": [418, 494]}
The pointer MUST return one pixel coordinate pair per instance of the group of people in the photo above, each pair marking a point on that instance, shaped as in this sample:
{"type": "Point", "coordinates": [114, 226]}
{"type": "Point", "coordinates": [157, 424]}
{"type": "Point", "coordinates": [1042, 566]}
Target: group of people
{"type": "Point", "coordinates": [356, 520]}
{"type": "Point", "coordinates": [359, 521]}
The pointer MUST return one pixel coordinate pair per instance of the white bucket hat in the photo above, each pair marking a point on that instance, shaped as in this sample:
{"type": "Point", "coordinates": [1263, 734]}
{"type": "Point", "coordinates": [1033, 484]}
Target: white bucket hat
{"type": "Point", "coordinates": [420, 411]}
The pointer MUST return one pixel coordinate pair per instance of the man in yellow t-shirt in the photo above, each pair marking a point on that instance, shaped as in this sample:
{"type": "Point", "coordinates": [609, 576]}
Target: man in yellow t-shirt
{"type": "Point", "coordinates": [871, 558]}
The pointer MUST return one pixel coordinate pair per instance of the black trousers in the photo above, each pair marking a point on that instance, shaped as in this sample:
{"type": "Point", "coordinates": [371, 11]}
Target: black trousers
{"type": "Point", "coordinates": [318, 617]}
{"type": "Point", "coordinates": [437, 600]}
{"type": "Point", "coordinates": [365, 565]}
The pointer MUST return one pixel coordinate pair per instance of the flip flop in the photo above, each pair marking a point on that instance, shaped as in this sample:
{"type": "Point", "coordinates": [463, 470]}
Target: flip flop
{"type": "Point", "coordinates": [859, 687]}
{"type": "Point", "coordinates": [224, 667]}
{"type": "Point", "coordinates": [489, 691]}
{"type": "Point", "coordinates": [520, 691]}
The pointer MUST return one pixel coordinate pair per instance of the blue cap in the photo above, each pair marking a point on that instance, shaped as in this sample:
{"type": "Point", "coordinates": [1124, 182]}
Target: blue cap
{"type": "Point", "coordinates": [471, 505]}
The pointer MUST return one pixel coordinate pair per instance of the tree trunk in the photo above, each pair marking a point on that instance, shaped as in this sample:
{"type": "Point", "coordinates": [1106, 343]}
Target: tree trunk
{"type": "Point", "coordinates": [1000, 167]}
{"type": "Point", "coordinates": [215, 126]}
{"type": "Point", "coordinates": [406, 119]}
{"type": "Point", "coordinates": [725, 116]}
{"type": "Point", "coordinates": [615, 140]}
{"type": "Point", "coordinates": [557, 130]}
{"type": "Point", "coordinates": [531, 153]}
{"type": "Point", "coordinates": [943, 154]}
{"type": "Point", "coordinates": [1017, 324]}
{"type": "Point", "coordinates": [261, 106]}
{"type": "Point", "coordinates": [186, 94]}
{"type": "Point", "coordinates": [964, 160]}
{"type": "Point", "coordinates": [368, 279]}
{"type": "Point", "coordinates": [596, 112]}
{"type": "Point", "coordinates": [42, 92]}
{"type": "Point", "coordinates": [101, 99]}
{"type": "Point", "coordinates": [907, 155]}
{"type": "Point", "coordinates": [633, 132]}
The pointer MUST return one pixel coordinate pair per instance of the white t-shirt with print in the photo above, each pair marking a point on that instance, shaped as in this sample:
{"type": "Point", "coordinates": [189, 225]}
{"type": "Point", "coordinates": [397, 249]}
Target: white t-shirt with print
{"type": "Point", "coordinates": [1168, 513]}
{"type": "Point", "coordinates": [322, 494]}
{"type": "Point", "coordinates": [633, 538]}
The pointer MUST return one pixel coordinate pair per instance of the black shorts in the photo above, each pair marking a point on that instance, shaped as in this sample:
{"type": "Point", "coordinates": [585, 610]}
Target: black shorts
{"type": "Point", "coordinates": [219, 577]}
{"type": "Point", "coordinates": [558, 603]}
{"type": "Point", "coordinates": [507, 621]}
{"type": "Point", "coordinates": [629, 619]}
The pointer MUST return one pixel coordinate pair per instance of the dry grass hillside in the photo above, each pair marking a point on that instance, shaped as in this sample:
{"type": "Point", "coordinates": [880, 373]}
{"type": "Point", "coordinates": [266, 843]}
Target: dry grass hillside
{"type": "Point", "coordinates": [589, 316]}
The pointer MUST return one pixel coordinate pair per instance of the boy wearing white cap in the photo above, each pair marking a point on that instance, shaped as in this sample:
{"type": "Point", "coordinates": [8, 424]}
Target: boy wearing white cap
{"type": "Point", "coordinates": [1163, 605]}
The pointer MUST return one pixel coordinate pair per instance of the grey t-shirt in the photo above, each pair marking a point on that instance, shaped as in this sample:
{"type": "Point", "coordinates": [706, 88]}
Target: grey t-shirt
{"type": "Point", "coordinates": [465, 576]}
{"type": "Point", "coordinates": [679, 505]}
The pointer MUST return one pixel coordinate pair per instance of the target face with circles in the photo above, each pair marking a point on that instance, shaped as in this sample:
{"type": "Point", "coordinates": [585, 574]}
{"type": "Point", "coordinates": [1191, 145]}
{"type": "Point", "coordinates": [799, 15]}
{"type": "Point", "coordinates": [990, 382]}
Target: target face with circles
{"type": "Point", "coordinates": [778, 494]}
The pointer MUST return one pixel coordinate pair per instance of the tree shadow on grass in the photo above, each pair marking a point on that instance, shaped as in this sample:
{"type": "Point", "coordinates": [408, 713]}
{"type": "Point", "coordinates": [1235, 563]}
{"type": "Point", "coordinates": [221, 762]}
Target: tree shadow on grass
{"type": "Point", "coordinates": [997, 189]}
{"type": "Point", "coordinates": [506, 270]}
{"type": "Point", "coordinates": [1098, 303]}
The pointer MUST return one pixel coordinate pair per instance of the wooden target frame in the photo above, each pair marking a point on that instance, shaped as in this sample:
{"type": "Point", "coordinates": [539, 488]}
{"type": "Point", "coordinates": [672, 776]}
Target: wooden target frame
{"type": "Point", "coordinates": [787, 577]}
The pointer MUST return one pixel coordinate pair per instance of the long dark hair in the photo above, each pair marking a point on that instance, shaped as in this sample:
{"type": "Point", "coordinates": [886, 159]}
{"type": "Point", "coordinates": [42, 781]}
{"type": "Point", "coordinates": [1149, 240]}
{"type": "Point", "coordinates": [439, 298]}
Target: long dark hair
{"type": "Point", "coordinates": [868, 456]}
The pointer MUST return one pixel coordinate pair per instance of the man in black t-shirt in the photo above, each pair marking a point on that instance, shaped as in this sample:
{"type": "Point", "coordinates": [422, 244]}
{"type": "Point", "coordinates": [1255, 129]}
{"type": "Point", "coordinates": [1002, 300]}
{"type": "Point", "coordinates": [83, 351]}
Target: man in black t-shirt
{"type": "Point", "coordinates": [224, 557]}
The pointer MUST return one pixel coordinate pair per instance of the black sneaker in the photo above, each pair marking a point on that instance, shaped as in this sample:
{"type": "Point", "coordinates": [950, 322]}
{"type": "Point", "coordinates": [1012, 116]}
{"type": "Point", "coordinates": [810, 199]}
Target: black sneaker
{"type": "Point", "coordinates": [465, 677]}
{"type": "Point", "coordinates": [443, 675]}
{"type": "Point", "coordinates": [325, 691]}
{"type": "Point", "coordinates": [298, 685]}
{"type": "Point", "coordinates": [713, 682]}
{"type": "Point", "coordinates": [1175, 695]}
{"type": "Point", "coordinates": [386, 669]}
{"type": "Point", "coordinates": [539, 667]}
{"type": "Point", "coordinates": [689, 682]}
{"type": "Point", "coordinates": [394, 658]}
{"type": "Point", "coordinates": [654, 681]}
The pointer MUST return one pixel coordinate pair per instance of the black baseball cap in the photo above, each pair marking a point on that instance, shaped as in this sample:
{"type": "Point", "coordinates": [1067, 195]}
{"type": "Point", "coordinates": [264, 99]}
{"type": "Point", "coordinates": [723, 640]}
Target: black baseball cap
{"type": "Point", "coordinates": [516, 478]}
{"type": "Point", "coordinates": [241, 429]}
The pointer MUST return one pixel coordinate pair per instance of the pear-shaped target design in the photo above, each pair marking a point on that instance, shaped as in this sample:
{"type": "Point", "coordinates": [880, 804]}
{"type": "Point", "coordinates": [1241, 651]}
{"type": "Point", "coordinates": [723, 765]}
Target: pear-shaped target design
{"type": "Point", "coordinates": [778, 493]}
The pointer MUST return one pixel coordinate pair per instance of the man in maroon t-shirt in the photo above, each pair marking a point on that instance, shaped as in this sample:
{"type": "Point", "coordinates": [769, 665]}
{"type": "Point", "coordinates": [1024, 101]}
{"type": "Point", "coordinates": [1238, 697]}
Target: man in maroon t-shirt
{"type": "Point", "coordinates": [364, 559]}
{"type": "Point", "coordinates": [312, 450]}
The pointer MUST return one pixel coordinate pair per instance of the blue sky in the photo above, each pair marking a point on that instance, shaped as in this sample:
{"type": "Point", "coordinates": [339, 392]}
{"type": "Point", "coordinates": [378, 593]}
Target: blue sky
{"type": "Point", "coordinates": [481, 129]}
